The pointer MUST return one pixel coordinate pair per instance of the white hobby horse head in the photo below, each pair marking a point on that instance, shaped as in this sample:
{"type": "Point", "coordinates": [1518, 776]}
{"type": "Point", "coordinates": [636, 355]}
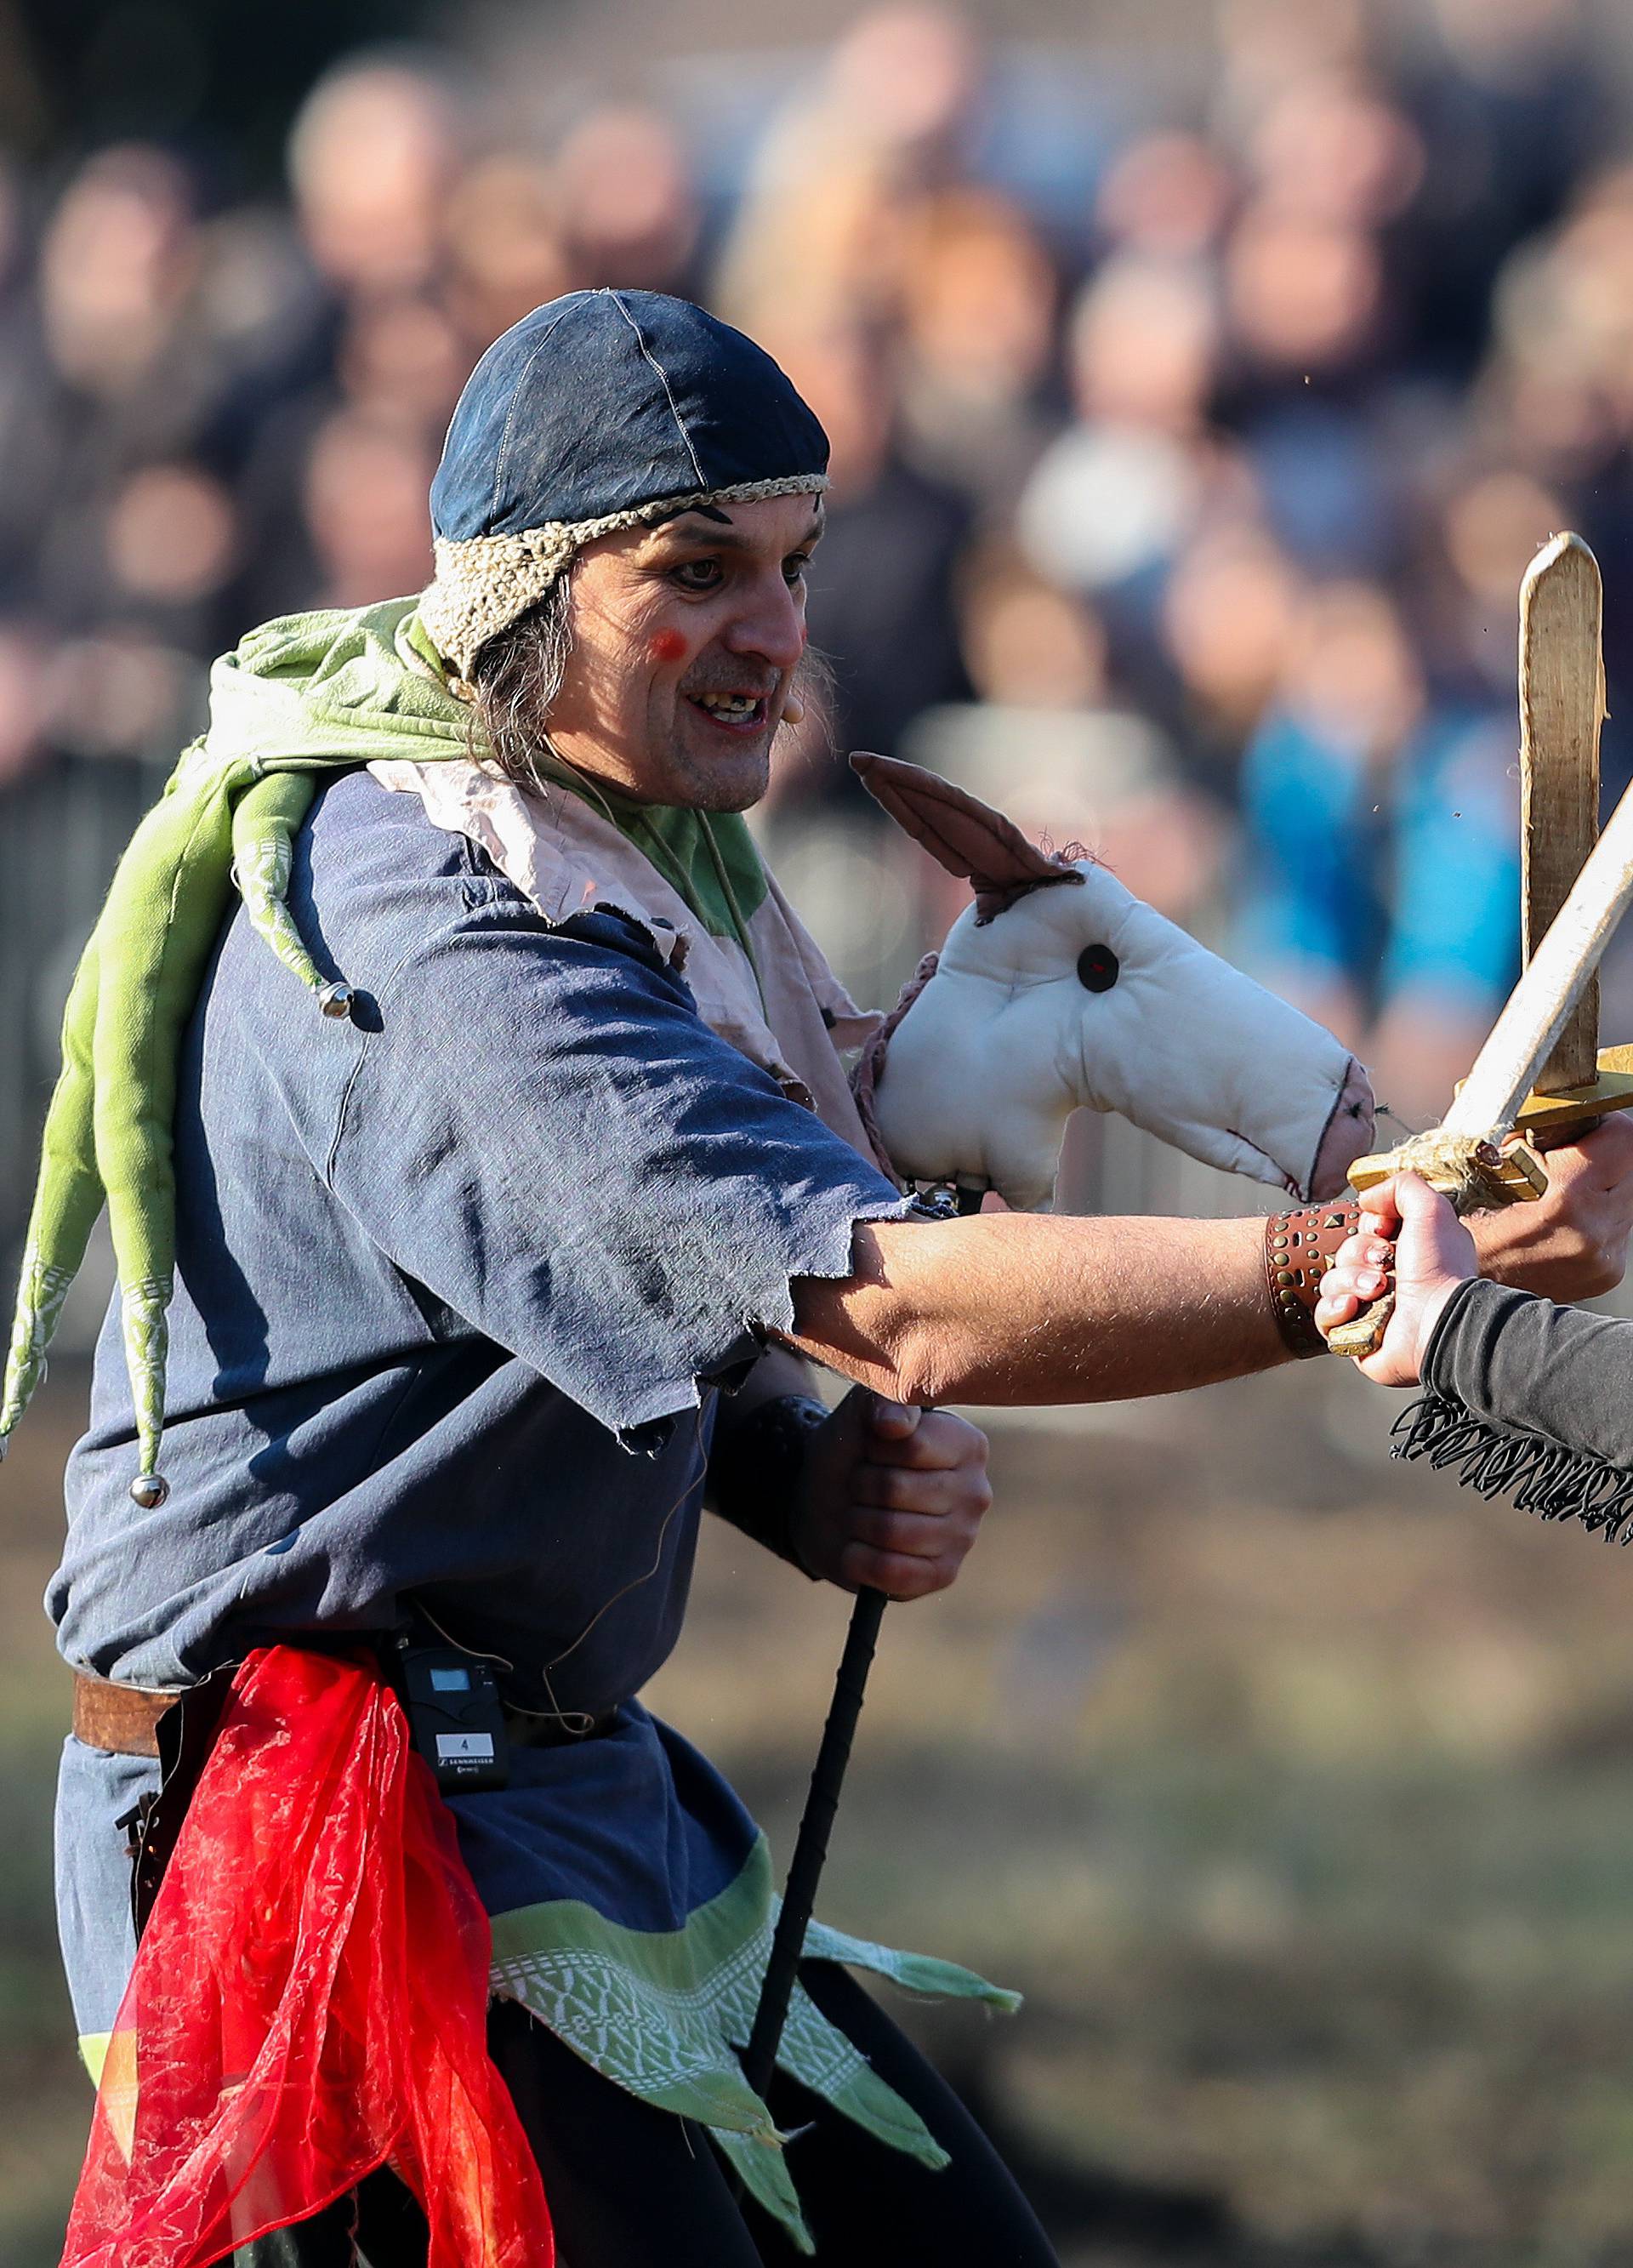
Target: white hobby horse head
{"type": "Point", "coordinates": [1058, 989]}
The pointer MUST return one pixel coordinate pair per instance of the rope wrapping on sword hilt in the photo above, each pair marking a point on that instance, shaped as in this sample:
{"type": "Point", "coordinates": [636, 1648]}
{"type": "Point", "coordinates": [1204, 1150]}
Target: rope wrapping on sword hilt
{"type": "Point", "coordinates": [1462, 1167]}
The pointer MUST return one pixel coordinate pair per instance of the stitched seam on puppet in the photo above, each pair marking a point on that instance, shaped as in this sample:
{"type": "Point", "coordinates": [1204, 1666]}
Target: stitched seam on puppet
{"type": "Point", "coordinates": [662, 376]}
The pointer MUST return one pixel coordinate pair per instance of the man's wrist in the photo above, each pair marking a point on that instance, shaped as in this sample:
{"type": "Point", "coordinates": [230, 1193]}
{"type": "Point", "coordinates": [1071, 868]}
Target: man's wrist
{"type": "Point", "coordinates": [757, 1473]}
{"type": "Point", "coordinates": [1299, 1249]}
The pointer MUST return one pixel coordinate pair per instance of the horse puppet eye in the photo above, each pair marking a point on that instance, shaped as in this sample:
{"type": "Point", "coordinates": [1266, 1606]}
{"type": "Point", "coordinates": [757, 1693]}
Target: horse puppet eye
{"type": "Point", "coordinates": [1096, 969]}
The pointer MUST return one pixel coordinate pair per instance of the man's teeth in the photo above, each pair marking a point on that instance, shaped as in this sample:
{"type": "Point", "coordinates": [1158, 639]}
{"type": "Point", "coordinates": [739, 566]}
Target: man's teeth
{"type": "Point", "coordinates": [732, 705]}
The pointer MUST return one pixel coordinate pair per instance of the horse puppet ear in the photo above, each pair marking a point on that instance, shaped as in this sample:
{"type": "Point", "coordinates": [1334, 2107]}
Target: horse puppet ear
{"type": "Point", "coordinates": [962, 834]}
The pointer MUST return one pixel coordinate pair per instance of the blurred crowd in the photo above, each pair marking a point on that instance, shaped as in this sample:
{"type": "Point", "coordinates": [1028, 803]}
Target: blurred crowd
{"type": "Point", "coordinates": [1189, 441]}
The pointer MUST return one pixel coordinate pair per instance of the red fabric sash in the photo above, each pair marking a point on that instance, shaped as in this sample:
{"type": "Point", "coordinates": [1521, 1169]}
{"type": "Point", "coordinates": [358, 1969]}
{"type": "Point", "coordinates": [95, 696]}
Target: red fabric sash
{"type": "Point", "coordinates": [308, 2001]}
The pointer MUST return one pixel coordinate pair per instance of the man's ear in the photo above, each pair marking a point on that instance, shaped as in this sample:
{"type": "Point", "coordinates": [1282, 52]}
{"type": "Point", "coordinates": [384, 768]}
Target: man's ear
{"type": "Point", "coordinates": [961, 833]}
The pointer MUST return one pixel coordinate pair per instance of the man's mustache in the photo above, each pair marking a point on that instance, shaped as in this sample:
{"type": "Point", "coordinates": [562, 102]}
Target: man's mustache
{"type": "Point", "coordinates": [740, 684]}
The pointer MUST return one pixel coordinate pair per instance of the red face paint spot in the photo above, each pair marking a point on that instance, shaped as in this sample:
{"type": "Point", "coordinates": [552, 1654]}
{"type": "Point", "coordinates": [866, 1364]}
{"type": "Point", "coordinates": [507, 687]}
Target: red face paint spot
{"type": "Point", "coordinates": [668, 645]}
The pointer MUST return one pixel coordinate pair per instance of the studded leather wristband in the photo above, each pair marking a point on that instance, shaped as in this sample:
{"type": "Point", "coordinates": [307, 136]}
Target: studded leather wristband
{"type": "Point", "coordinates": [1299, 1249]}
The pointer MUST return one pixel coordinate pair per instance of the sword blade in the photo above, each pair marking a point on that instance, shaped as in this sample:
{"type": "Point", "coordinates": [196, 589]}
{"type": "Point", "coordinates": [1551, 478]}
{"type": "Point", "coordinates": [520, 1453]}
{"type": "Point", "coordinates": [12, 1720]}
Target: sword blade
{"type": "Point", "coordinates": [1562, 702]}
{"type": "Point", "coordinates": [1540, 1005]}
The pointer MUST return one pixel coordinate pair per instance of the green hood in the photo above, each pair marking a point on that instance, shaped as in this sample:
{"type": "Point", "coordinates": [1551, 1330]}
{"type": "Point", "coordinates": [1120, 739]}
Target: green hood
{"type": "Point", "coordinates": [313, 692]}
{"type": "Point", "coordinates": [300, 697]}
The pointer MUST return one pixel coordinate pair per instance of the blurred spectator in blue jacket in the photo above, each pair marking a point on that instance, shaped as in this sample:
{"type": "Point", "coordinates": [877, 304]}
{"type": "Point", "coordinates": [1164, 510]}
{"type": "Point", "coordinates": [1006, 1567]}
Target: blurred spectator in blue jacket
{"type": "Point", "coordinates": [1381, 851]}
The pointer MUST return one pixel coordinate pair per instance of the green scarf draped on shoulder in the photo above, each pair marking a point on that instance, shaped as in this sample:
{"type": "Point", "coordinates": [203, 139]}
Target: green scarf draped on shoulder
{"type": "Point", "coordinates": [301, 697]}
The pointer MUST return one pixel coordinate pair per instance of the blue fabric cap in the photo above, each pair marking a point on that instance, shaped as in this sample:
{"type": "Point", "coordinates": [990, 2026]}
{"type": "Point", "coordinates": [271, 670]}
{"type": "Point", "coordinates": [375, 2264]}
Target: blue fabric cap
{"type": "Point", "coordinates": [601, 402]}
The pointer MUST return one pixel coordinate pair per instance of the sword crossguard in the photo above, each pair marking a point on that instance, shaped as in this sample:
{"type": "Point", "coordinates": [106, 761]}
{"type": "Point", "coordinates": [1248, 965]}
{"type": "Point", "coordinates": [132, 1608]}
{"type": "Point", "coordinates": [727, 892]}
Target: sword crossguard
{"type": "Point", "coordinates": [1477, 1176]}
{"type": "Point", "coordinates": [1574, 1110]}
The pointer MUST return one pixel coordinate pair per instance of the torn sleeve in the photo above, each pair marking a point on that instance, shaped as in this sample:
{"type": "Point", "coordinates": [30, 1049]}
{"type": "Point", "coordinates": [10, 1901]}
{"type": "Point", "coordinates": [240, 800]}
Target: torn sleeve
{"type": "Point", "coordinates": [543, 1132]}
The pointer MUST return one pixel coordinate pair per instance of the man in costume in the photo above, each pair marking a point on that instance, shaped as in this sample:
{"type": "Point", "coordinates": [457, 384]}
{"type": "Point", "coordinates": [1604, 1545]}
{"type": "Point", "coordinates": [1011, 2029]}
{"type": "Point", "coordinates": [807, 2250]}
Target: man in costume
{"type": "Point", "coordinates": [428, 1299]}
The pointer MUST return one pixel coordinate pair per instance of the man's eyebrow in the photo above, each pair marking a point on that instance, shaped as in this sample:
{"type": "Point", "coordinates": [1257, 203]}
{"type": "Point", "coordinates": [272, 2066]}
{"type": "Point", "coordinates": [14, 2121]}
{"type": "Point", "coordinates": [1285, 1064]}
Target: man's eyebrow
{"type": "Point", "coordinates": [733, 538]}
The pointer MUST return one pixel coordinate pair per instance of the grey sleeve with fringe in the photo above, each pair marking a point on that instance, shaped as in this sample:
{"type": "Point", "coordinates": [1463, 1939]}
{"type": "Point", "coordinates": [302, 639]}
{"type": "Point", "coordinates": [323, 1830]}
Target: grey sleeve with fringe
{"type": "Point", "coordinates": [1528, 1398]}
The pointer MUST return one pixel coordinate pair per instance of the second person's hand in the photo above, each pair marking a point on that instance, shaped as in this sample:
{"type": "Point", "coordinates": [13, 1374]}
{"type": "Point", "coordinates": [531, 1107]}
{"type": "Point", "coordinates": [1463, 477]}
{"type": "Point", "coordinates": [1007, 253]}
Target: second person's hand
{"type": "Point", "coordinates": [1572, 1244]}
{"type": "Point", "coordinates": [1410, 1238]}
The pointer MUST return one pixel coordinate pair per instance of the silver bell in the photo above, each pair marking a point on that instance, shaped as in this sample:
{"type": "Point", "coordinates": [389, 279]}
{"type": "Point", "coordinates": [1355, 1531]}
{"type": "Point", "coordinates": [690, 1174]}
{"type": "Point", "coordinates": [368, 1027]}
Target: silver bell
{"type": "Point", "coordinates": [150, 1491]}
{"type": "Point", "coordinates": [335, 999]}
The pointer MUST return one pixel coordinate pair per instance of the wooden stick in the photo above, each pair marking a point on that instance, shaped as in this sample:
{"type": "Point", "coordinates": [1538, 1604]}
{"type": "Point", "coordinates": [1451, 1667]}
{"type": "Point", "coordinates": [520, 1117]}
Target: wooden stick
{"type": "Point", "coordinates": [805, 1872]}
{"type": "Point", "coordinates": [1550, 987]}
{"type": "Point", "coordinates": [1562, 706]}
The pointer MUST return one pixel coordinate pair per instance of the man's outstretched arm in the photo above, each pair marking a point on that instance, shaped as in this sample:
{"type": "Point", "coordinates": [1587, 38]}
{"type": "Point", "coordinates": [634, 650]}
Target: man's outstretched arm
{"type": "Point", "coordinates": [1006, 1308]}
{"type": "Point", "coordinates": [1010, 1308]}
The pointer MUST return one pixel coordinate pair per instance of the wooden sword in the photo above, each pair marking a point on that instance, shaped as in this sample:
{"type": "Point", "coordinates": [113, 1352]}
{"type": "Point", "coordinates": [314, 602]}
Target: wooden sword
{"type": "Point", "coordinates": [1541, 1075]}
